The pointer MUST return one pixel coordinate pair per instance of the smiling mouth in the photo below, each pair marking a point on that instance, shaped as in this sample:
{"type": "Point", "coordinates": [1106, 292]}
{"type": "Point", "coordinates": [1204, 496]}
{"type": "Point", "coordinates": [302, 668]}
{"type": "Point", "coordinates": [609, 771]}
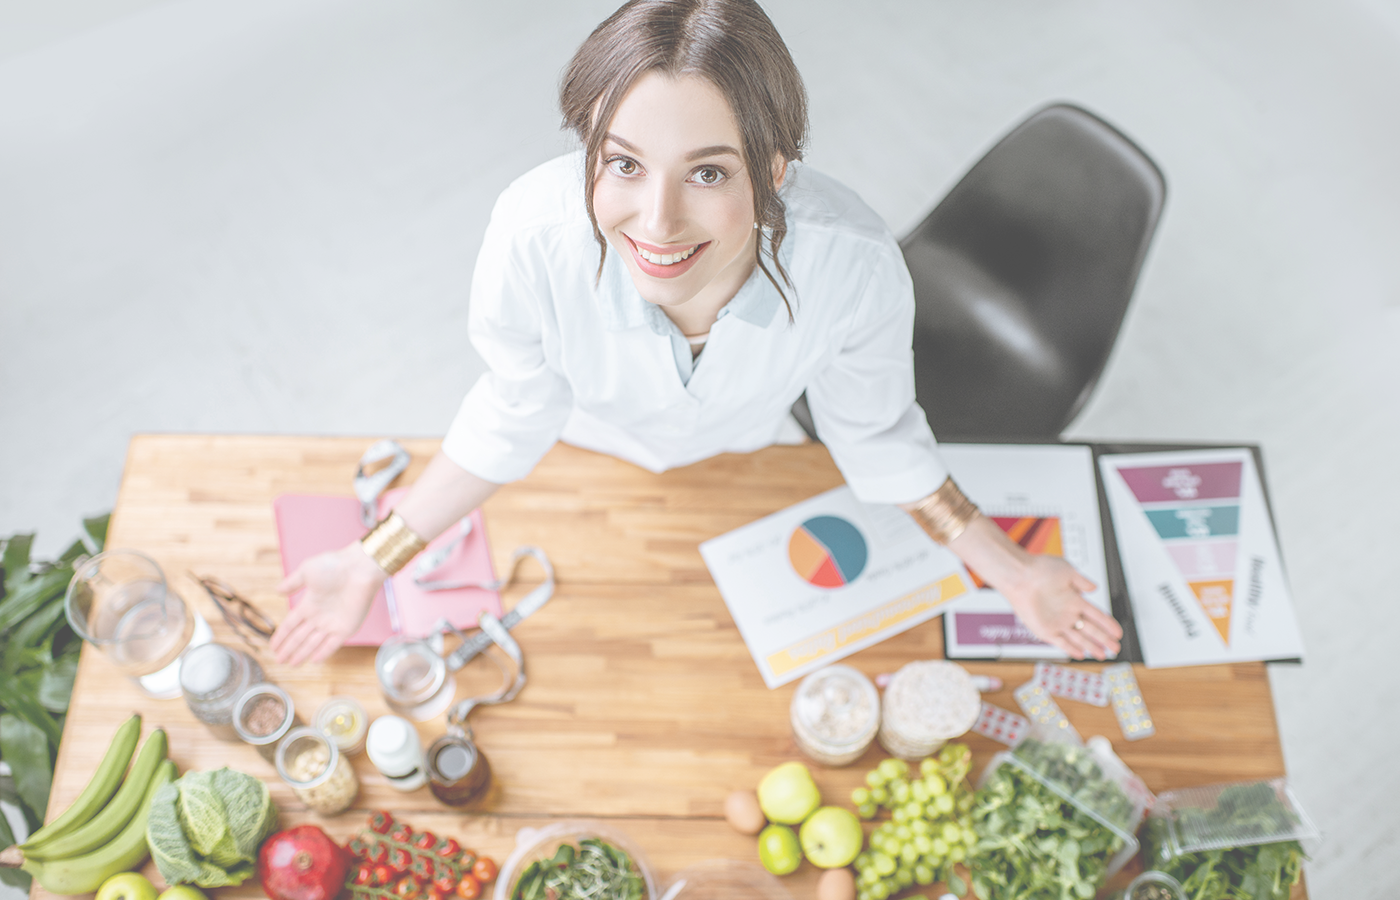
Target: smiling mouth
{"type": "Point", "coordinates": [665, 259]}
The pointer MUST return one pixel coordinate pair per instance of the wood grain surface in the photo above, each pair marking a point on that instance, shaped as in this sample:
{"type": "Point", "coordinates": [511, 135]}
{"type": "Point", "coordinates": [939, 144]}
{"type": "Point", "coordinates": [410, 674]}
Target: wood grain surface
{"type": "Point", "coordinates": [643, 707]}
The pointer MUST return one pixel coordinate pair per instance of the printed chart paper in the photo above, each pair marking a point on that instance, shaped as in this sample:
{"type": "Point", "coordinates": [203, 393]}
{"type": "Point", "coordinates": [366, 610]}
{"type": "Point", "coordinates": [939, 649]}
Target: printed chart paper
{"type": "Point", "coordinates": [1199, 557]}
{"type": "Point", "coordinates": [1045, 498]}
{"type": "Point", "coordinates": [827, 577]}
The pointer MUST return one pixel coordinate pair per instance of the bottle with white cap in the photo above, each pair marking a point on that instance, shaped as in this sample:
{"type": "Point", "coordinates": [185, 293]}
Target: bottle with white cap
{"type": "Point", "coordinates": [394, 748]}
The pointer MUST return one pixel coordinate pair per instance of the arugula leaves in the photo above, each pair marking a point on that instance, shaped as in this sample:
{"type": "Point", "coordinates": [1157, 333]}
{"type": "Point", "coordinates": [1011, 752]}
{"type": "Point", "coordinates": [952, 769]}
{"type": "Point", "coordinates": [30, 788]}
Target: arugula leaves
{"type": "Point", "coordinates": [38, 662]}
{"type": "Point", "coordinates": [1032, 843]}
{"type": "Point", "coordinates": [1254, 871]}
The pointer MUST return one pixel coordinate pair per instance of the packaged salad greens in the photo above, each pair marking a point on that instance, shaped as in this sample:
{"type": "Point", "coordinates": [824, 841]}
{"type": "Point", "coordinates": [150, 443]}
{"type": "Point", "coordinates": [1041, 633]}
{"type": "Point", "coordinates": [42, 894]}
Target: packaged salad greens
{"type": "Point", "coordinates": [1054, 818]}
{"type": "Point", "coordinates": [1240, 841]}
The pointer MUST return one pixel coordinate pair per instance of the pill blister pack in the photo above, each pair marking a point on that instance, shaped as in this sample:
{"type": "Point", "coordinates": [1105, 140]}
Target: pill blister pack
{"type": "Point", "coordinates": [1072, 684]}
{"type": "Point", "coordinates": [1035, 701]}
{"type": "Point", "coordinates": [1001, 725]}
{"type": "Point", "coordinates": [1128, 705]}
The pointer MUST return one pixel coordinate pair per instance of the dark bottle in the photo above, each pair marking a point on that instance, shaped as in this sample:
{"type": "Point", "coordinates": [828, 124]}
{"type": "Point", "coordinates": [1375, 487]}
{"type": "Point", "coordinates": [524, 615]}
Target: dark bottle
{"type": "Point", "coordinates": [458, 772]}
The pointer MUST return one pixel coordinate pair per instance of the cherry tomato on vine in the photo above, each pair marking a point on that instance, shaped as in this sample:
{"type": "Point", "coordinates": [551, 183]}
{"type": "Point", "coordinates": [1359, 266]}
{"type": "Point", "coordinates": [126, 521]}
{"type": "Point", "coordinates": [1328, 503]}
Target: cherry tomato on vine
{"type": "Point", "coordinates": [469, 888]}
{"type": "Point", "coordinates": [425, 841]}
{"type": "Point", "coordinates": [447, 848]}
{"type": "Point", "coordinates": [400, 859]}
{"type": "Point", "coordinates": [484, 870]}
{"type": "Point", "coordinates": [383, 875]}
{"type": "Point", "coordinates": [407, 889]}
{"type": "Point", "coordinates": [401, 832]}
{"type": "Point", "coordinates": [446, 883]}
{"type": "Point", "coordinates": [380, 822]}
{"type": "Point", "coordinates": [364, 873]}
{"type": "Point", "coordinates": [379, 853]}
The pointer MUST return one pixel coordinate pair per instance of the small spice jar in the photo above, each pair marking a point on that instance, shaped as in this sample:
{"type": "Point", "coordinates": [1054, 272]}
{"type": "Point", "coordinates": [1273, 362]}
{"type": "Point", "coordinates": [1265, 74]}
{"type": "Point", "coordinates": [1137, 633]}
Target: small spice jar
{"type": "Point", "coordinates": [927, 704]}
{"type": "Point", "coordinates": [318, 773]}
{"type": "Point", "coordinates": [413, 678]}
{"type": "Point", "coordinates": [212, 678]}
{"type": "Point", "coordinates": [458, 771]}
{"type": "Point", "coordinates": [396, 751]}
{"type": "Point", "coordinates": [262, 716]}
{"type": "Point", "coordinates": [835, 715]}
{"type": "Point", "coordinates": [344, 721]}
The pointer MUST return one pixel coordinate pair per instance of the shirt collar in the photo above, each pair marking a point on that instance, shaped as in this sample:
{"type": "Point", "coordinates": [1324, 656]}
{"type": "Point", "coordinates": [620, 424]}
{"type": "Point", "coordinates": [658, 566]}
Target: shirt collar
{"type": "Point", "coordinates": [622, 307]}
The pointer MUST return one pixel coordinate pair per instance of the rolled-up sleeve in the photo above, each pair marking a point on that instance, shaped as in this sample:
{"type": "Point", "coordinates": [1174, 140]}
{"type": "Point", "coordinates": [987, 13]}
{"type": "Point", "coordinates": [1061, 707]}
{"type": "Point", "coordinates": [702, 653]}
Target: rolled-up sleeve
{"type": "Point", "coordinates": [863, 402]}
{"type": "Point", "coordinates": [517, 409]}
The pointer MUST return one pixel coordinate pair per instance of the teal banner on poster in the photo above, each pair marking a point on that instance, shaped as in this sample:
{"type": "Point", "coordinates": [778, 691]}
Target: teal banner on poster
{"type": "Point", "coordinates": [1195, 521]}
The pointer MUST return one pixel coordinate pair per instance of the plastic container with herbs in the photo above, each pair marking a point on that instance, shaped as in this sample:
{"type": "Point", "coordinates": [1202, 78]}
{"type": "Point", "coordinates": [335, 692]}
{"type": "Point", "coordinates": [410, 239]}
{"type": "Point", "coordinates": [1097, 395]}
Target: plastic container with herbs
{"type": "Point", "coordinates": [317, 772]}
{"type": "Point", "coordinates": [575, 860]}
{"type": "Point", "coordinates": [1054, 817]}
{"type": "Point", "coordinates": [1243, 840]}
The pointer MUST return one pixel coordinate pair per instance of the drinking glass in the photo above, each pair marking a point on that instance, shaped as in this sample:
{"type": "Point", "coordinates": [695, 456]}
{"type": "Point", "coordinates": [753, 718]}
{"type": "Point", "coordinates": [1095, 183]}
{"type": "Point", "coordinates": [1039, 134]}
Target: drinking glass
{"type": "Point", "coordinates": [119, 601]}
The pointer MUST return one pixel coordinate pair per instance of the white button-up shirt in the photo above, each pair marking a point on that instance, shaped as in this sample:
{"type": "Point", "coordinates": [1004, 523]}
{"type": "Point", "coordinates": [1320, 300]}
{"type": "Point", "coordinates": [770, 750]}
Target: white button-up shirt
{"type": "Point", "coordinates": [595, 365]}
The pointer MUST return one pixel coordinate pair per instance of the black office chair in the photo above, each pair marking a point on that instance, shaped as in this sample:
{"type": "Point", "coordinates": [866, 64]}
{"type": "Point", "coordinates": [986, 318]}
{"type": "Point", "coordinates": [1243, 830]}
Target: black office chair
{"type": "Point", "coordinates": [1023, 273]}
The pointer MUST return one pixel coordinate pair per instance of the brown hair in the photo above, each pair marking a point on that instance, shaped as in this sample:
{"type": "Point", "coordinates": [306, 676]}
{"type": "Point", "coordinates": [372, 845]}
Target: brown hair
{"type": "Point", "coordinates": [730, 43]}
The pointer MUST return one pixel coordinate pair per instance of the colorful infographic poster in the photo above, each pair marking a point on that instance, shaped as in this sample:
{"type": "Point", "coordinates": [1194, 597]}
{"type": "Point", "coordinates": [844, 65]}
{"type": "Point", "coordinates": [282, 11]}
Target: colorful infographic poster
{"type": "Point", "coordinates": [1045, 498]}
{"type": "Point", "coordinates": [820, 580]}
{"type": "Point", "coordinates": [1200, 558]}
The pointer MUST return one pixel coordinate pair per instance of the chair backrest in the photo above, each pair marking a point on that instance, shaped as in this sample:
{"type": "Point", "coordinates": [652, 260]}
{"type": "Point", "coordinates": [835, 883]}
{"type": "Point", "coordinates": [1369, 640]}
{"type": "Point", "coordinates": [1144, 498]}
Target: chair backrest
{"type": "Point", "coordinates": [1023, 273]}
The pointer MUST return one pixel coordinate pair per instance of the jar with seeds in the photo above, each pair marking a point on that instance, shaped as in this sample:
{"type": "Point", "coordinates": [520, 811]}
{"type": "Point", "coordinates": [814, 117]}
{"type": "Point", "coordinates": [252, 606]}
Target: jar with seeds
{"type": "Point", "coordinates": [262, 716]}
{"type": "Point", "coordinates": [317, 772]}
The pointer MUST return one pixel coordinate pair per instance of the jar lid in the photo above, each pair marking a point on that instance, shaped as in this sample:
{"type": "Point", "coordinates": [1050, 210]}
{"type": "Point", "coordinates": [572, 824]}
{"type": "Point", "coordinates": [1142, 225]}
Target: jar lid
{"type": "Point", "coordinates": [931, 700]}
{"type": "Point", "coordinates": [837, 706]}
{"type": "Point", "coordinates": [206, 670]}
{"type": "Point", "coordinates": [393, 744]}
{"type": "Point", "coordinates": [247, 715]}
{"type": "Point", "coordinates": [296, 747]}
{"type": "Point", "coordinates": [344, 721]}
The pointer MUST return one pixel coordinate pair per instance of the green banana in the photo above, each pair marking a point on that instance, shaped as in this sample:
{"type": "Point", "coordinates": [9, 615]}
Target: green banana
{"type": "Point", "coordinates": [85, 874]}
{"type": "Point", "coordinates": [101, 828]}
{"type": "Point", "coordinates": [99, 789]}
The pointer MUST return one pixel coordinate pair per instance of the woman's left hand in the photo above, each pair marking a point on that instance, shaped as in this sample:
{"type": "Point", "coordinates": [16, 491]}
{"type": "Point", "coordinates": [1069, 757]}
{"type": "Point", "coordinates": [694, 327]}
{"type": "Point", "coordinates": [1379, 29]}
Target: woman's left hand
{"type": "Point", "coordinates": [1046, 592]}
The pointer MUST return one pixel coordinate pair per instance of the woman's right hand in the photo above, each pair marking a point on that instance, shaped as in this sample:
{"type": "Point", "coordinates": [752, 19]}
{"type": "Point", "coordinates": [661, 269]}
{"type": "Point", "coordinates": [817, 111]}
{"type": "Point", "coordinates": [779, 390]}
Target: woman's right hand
{"type": "Point", "coordinates": [339, 588]}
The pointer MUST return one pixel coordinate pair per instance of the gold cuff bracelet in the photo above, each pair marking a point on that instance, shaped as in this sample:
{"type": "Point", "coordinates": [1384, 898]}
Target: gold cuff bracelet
{"type": "Point", "coordinates": [946, 512]}
{"type": "Point", "coordinates": [392, 544]}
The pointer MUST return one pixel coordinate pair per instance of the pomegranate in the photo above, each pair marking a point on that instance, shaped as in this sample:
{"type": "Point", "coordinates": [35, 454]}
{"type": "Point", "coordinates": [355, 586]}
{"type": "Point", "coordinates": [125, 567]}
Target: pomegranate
{"type": "Point", "coordinates": [302, 863]}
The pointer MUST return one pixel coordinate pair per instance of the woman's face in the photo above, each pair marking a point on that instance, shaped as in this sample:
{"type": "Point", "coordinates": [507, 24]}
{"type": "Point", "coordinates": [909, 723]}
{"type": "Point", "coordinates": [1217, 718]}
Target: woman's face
{"type": "Point", "coordinates": [672, 196]}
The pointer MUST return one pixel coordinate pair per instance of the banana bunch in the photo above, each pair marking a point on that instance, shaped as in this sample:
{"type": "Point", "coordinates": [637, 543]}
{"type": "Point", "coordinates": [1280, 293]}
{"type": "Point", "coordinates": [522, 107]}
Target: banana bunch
{"type": "Point", "coordinates": [104, 831]}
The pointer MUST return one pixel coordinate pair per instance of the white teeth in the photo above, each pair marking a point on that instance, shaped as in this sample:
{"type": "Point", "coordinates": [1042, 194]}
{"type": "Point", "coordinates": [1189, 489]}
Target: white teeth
{"type": "Point", "coordinates": [666, 259]}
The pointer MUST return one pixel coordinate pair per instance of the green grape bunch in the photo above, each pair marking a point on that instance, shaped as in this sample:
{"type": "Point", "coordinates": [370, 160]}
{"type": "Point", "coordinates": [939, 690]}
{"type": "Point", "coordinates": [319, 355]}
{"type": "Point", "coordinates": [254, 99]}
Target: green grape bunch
{"type": "Point", "coordinates": [930, 824]}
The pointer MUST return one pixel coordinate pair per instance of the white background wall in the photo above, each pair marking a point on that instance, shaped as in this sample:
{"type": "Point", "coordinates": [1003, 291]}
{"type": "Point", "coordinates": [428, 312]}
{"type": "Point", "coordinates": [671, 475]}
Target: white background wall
{"type": "Point", "coordinates": [261, 216]}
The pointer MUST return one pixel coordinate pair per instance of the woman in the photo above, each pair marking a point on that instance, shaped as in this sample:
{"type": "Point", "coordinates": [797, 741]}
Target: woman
{"type": "Point", "coordinates": [666, 295]}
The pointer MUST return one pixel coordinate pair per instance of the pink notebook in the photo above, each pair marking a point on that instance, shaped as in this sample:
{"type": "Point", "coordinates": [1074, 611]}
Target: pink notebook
{"type": "Point", "coordinates": [308, 524]}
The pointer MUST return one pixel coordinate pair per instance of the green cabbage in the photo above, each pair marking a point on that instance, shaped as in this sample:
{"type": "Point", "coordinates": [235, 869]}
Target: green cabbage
{"type": "Point", "coordinates": [205, 828]}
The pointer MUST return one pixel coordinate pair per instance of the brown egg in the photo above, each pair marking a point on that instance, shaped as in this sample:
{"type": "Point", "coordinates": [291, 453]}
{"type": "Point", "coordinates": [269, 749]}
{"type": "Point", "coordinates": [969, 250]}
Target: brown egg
{"type": "Point", "coordinates": [742, 811]}
{"type": "Point", "coordinates": [836, 884]}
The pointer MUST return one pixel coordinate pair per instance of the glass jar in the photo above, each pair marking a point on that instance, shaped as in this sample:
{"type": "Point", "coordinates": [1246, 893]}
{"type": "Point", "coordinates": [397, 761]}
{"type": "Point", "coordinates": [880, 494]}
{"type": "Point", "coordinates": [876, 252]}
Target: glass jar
{"type": "Point", "coordinates": [317, 772]}
{"type": "Point", "coordinates": [343, 719]}
{"type": "Point", "coordinates": [413, 677]}
{"type": "Point", "coordinates": [458, 772]}
{"type": "Point", "coordinates": [835, 715]}
{"type": "Point", "coordinates": [927, 704]}
{"type": "Point", "coordinates": [262, 715]}
{"type": "Point", "coordinates": [212, 678]}
{"type": "Point", "coordinates": [397, 752]}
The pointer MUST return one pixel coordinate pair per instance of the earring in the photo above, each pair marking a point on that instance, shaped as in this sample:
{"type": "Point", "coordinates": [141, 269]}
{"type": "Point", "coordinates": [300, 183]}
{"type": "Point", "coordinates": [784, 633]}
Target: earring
{"type": "Point", "coordinates": [755, 225]}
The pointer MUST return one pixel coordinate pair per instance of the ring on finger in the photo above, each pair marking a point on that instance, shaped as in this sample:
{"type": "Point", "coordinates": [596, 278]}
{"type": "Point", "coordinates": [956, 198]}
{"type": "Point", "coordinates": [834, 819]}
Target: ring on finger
{"type": "Point", "coordinates": [1079, 624]}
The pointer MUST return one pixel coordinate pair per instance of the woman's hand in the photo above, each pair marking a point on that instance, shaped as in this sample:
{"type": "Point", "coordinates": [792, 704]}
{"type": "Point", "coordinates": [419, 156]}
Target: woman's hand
{"type": "Point", "coordinates": [1046, 592]}
{"type": "Point", "coordinates": [339, 588]}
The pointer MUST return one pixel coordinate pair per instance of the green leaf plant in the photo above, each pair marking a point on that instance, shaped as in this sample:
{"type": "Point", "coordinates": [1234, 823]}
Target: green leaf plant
{"type": "Point", "coordinates": [38, 661]}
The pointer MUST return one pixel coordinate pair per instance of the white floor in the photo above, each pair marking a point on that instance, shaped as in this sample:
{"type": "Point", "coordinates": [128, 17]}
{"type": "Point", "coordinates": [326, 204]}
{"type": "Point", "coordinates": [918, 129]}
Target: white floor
{"type": "Point", "coordinates": [261, 216]}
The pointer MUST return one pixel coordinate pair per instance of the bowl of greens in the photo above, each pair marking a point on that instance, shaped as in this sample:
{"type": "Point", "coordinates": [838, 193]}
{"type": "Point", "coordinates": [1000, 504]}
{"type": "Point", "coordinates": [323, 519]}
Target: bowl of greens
{"type": "Point", "coordinates": [575, 860]}
{"type": "Point", "coordinates": [1243, 841]}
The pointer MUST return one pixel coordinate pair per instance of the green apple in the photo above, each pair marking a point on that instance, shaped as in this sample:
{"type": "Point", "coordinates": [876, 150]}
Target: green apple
{"type": "Point", "coordinates": [127, 886]}
{"type": "Point", "coordinates": [831, 837]}
{"type": "Point", "coordinates": [182, 892]}
{"type": "Point", "coordinates": [788, 794]}
{"type": "Point", "coordinates": [778, 849]}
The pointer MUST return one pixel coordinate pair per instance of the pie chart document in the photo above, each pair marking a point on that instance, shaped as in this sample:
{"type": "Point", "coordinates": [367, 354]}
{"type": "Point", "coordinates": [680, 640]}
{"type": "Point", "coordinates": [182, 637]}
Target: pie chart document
{"type": "Point", "coordinates": [829, 576]}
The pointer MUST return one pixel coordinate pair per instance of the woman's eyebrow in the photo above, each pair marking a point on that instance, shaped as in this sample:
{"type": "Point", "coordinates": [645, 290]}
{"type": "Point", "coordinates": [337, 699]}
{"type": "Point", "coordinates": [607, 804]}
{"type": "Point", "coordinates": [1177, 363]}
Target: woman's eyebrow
{"type": "Point", "coordinates": [716, 150]}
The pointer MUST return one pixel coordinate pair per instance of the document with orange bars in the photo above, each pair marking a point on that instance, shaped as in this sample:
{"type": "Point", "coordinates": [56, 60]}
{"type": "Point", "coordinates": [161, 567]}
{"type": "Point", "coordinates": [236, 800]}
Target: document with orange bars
{"type": "Point", "coordinates": [1200, 557]}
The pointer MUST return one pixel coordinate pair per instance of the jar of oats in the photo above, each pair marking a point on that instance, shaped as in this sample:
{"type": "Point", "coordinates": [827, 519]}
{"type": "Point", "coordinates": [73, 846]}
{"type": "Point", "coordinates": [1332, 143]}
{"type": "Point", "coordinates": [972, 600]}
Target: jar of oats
{"type": "Point", "coordinates": [835, 715]}
{"type": "Point", "coordinates": [317, 772]}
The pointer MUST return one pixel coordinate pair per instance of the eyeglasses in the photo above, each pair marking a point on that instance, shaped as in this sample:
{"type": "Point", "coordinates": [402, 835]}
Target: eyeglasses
{"type": "Point", "coordinates": [247, 621]}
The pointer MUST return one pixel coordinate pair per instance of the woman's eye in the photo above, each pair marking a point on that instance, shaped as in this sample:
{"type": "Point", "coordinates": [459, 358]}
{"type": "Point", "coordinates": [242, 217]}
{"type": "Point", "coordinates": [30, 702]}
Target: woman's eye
{"type": "Point", "coordinates": [709, 175]}
{"type": "Point", "coordinates": [621, 165]}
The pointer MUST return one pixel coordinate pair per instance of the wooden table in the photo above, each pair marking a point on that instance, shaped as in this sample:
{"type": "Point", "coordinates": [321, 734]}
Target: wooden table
{"type": "Point", "coordinates": [643, 705]}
